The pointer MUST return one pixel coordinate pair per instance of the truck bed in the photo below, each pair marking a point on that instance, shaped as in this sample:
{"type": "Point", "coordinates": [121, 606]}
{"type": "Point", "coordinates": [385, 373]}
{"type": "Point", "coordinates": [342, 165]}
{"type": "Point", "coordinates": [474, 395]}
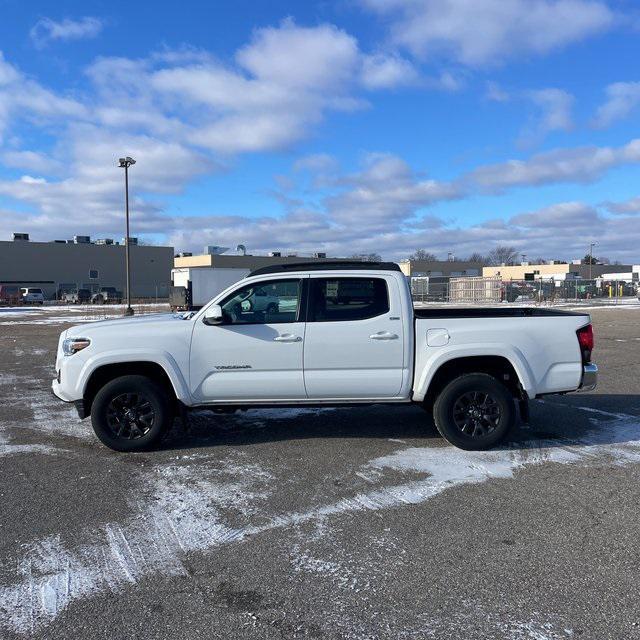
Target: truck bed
{"type": "Point", "coordinates": [541, 344]}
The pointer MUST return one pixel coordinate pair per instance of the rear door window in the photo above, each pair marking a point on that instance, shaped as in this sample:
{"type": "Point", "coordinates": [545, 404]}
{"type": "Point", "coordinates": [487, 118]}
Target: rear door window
{"type": "Point", "coordinates": [340, 299]}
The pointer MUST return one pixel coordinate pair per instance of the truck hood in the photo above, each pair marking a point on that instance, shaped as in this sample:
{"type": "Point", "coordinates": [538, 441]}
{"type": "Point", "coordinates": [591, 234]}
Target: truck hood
{"type": "Point", "coordinates": [128, 326]}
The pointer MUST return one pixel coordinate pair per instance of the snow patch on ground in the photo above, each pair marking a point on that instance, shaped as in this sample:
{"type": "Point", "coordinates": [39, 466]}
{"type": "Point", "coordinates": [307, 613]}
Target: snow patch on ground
{"type": "Point", "coordinates": [60, 314]}
{"type": "Point", "coordinates": [187, 512]}
{"type": "Point", "coordinates": [182, 515]}
{"type": "Point", "coordinates": [304, 562]}
{"type": "Point", "coordinates": [9, 449]}
{"type": "Point", "coordinates": [51, 416]}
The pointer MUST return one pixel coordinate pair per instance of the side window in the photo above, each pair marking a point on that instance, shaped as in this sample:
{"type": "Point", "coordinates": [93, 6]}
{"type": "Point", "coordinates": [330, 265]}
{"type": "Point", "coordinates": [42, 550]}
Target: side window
{"type": "Point", "coordinates": [269, 302]}
{"type": "Point", "coordinates": [337, 299]}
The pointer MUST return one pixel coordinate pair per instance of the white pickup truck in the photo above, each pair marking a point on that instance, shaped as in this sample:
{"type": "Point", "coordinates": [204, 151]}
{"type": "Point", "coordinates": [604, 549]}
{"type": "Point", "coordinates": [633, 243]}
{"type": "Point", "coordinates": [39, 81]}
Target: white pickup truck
{"type": "Point", "coordinates": [339, 333]}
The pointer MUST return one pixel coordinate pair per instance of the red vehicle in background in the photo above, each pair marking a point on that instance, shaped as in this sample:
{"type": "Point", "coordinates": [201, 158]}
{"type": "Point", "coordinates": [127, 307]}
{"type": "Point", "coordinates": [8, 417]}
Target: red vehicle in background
{"type": "Point", "coordinates": [10, 294]}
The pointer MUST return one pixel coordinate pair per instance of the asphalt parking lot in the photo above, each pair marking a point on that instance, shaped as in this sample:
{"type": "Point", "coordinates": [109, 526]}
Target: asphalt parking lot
{"type": "Point", "coordinates": [336, 523]}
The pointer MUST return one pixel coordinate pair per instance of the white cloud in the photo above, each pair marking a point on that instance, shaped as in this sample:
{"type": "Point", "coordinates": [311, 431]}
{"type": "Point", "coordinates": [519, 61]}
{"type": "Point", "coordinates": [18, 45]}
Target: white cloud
{"type": "Point", "coordinates": [627, 207]}
{"type": "Point", "coordinates": [35, 161]}
{"type": "Point", "coordinates": [622, 99]}
{"type": "Point", "coordinates": [316, 163]}
{"type": "Point", "coordinates": [495, 93]}
{"type": "Point", "coordinates": [47, 30]}
{"type": "Point", "coordinates": [24, 98]}
{"type": "Point", "coordinates": [285, 81]}
{"type": "Point", "coordinates": [385, 194]}
{"type": "Point", "coordinates": [554, 107]}
{"type": "Point", "coordinates": [560, 230]}
{"type": "Point", "coordinates": [569, 215]}
{"type": "Point", "coordinates": [315, 58]}
{"type": "Point", "coordinates": [583, 164]}
{"type": "Point", "coordinates": [383, 71]}
{"type": "Point", "coordinates": [479, 33]}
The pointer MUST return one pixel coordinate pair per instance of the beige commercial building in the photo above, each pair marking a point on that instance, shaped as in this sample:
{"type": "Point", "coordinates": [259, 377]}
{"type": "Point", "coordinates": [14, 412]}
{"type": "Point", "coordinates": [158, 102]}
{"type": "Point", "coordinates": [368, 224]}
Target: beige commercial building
{"type": "Point", "coordinates": [230, 261]}
{"type": "Point", "coordinates": [62, 266]}
{"type": "Point", "coordinates": [559, 271]}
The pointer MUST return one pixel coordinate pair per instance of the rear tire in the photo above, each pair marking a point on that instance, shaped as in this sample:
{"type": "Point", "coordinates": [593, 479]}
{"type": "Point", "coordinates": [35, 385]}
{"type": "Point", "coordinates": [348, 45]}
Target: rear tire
{"type": "Point", "coordinates": [131, 413]}
{"type": "Point", "coordinates": [474, 412]}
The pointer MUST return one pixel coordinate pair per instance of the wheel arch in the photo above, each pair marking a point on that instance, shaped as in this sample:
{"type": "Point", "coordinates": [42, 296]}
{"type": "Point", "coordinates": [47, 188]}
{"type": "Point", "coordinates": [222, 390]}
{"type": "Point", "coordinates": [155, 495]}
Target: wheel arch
{"type": "Point", "coordinates": [104, 373]}
{"type": "Point", "coordinates": [498, 366]}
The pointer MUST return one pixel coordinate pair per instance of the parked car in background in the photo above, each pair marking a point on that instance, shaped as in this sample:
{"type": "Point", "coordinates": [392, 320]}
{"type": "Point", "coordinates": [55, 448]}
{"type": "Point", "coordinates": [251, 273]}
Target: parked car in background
{"type": "Point", "coordinates": [32, 295]}
{"type": "Point", "coordinates": [107, 295]}
{"type": "Point", "coordinates": [10, 294]}
{"type": "Point", "coordinates": [79, 296]}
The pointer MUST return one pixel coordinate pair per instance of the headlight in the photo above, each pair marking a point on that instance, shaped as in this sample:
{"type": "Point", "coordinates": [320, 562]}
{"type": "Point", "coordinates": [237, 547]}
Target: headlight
{"type": "Point", "coordinates": [73, 345]}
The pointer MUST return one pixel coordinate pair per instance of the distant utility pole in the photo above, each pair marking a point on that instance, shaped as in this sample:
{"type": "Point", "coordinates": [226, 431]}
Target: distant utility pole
{"type": "Point", "coordinates": [591, 245]}
{"type": "Point", "coordinates": [125, 163]}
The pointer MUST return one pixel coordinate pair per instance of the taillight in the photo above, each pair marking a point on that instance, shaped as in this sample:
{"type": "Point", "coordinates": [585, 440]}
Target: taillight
{"type": "Point", "coordinates": [585, 340]}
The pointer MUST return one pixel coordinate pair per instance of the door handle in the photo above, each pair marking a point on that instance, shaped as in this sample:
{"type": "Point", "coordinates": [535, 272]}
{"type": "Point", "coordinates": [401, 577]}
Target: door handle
{"type": "Point", "coordinates": [384, 335]}
{"type": "Point", "coordinates": [287, 337]}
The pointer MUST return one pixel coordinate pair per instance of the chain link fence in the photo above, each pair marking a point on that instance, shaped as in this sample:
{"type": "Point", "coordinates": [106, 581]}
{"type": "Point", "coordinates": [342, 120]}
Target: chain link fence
{"type": "Point", "coordinates": [547, 291]}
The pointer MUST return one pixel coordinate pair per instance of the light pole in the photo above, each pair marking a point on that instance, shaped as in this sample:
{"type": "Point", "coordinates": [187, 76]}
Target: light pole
{"type": "Point", "coordinates": [125, 163]}
{"type": "Point", "coordinates": [591, 245]}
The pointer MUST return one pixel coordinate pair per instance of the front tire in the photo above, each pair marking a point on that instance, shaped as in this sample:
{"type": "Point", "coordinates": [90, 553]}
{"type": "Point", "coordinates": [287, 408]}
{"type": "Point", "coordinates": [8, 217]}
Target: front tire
{"type": "Point", "coordinates": [131, 413]}
{"type": "Point", "coordinates": [474, 412]}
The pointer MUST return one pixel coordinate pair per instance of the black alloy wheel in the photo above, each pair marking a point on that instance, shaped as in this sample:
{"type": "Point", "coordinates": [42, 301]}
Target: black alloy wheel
{"type": "Point", "coordinates": [476, 413]}
{"type": "Point", "coordinates": [130, 415]}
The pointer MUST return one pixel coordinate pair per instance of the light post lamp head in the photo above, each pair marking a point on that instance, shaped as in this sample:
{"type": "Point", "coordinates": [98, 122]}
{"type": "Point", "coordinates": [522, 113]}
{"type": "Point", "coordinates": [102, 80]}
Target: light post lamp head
{"type": "Point", "coordinates": [126, 162]}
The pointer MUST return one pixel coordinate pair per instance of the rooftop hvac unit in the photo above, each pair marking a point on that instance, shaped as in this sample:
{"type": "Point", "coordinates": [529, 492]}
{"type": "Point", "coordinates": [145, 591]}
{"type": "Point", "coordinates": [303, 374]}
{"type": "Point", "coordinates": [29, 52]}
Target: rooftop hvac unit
{"type": "Point", "coordinates": [132, 240]}
{"type": "Point", "coordinates": [82, 239]}
{"type": "Point", "coordinates": [59, 241]}
{"type": "Point", "coordinates": [21, 237]}
{"type": "Point", "coordinates": [319, 254]}
{"type": "Point", "coordinates": [275, 254]}
{"type": "Point", "coordinates": [104, 241]}
{"type": "Point", "coordinates": [214, 250]}
{"type": "Point", "coordinates": [184, 254]}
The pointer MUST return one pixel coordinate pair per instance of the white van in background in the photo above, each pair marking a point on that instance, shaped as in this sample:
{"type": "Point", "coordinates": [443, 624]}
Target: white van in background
{"type": "Point", "coordinates": [32, 295]}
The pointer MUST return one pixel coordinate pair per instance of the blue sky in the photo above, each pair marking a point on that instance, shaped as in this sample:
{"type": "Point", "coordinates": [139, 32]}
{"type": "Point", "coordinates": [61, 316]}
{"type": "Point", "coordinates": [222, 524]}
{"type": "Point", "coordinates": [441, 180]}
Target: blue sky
{"type": "Point", "coordinates": [349, 126]}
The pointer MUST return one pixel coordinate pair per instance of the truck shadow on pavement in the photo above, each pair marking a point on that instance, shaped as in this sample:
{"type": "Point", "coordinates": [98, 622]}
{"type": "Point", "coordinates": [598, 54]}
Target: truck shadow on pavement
{"type": "Point", "coordinates": [594, 419]}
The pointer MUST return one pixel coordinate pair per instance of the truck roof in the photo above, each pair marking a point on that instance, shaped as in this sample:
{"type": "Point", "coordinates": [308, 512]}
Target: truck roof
{"type": "Point", "coordinates": [329, 265]}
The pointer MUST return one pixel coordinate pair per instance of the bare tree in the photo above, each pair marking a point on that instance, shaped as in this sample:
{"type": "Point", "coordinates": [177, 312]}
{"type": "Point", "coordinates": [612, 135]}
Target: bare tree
{"type": "Point", "coordinates": [478, 257]}
{"type": "Point", "coordinates": [502, 255]}
{"type": "Point", "coordinates": [423, 255]}
{"type": "Point", "coordinates": [367, 257]}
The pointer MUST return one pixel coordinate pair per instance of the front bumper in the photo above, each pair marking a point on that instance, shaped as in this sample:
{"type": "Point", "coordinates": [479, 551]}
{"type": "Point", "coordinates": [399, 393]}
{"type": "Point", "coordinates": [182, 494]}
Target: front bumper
{"type": "Point", "coordinates": [78, 404]}
{"type": "Point", "coordinates": [589, 377]}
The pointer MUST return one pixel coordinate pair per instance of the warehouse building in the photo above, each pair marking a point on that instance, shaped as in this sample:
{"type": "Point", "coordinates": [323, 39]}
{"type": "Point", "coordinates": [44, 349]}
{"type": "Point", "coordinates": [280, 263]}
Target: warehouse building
{"type": "Point", "coordinates": [563, 271]}
{"type": "Point", "coordinates": [64, 265]}
{"type": "Point", "coordinates": [441, 268]}
{"type": "Point", "coordinates": [212, 259]}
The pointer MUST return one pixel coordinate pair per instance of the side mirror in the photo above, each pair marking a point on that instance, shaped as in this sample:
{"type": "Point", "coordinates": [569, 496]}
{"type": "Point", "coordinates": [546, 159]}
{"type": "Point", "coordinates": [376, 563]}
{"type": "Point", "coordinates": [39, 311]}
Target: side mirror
{"type": "Point", "coordinates": [213, 315]}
